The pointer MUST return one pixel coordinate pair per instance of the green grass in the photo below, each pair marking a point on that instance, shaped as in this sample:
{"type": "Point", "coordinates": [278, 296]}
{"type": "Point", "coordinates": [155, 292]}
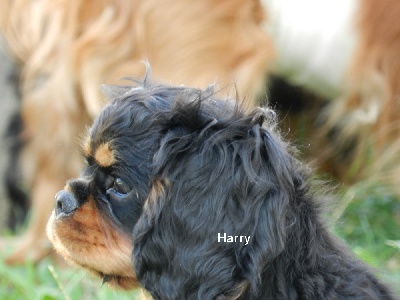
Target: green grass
{"type": "Point", "coordinates": [370, 225]}
{"type": "Point", "coordinates": [45, 281]}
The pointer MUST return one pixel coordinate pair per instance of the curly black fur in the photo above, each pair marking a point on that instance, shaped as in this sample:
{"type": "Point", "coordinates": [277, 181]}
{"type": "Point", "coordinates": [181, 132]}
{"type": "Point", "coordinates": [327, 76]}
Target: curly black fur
{"type": "Point", "coordinates": [207, 167]}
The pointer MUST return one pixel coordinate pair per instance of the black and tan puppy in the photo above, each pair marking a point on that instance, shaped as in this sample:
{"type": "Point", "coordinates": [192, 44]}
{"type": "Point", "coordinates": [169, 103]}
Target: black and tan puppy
{"type": "Point", "coordinates": [197, 199]}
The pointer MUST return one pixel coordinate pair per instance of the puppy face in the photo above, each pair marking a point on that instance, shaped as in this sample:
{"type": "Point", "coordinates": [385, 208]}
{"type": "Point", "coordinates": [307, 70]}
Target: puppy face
{"type": "Point", "coordinates": [92, 223]}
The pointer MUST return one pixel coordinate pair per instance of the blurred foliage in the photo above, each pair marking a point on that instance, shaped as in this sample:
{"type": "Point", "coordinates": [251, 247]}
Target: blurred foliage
{"type": "Point", "coordinates": [370, 225]}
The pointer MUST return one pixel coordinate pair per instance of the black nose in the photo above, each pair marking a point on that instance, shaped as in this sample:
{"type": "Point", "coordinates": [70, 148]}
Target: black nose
{"type": "Point", "coordinates": [66, 204]}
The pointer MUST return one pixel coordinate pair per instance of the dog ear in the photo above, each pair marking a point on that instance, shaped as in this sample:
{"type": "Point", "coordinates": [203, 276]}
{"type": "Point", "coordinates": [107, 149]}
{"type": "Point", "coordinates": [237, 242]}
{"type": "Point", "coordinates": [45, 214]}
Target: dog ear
{"type": "Point", "coordinates": [236, 181]}
{"type": "Point", "coordinates": [276, 178]}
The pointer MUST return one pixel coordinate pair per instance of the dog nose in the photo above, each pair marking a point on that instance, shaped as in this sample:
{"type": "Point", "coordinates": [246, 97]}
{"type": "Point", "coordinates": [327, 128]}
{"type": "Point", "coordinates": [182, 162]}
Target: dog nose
{"type": "Point", "coordinates": [66, 204]}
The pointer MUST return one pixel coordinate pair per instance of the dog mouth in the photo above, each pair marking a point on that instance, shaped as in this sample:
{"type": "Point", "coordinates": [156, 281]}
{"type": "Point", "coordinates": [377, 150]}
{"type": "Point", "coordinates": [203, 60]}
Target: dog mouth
{"type": "Point", "coordinates": [89, 241]}
{"type": "Point", "coordinates": [124, 281]}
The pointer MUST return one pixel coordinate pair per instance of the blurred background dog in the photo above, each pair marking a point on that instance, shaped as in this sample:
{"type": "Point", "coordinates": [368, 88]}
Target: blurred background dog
{"type": "Point", "coordinates": [341, 56]}
{"type": "Point", "coordinates": [347, 52]}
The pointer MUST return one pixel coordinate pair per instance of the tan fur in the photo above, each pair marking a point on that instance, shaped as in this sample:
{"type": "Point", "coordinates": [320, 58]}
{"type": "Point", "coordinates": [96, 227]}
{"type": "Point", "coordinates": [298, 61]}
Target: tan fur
{"type": "Point", "coordinates": [88, 240]}
{"type": "Point", "coordinates": [87, 146]}
{"type": "Point", "coordinates": [368, 113]}
{"type": "Point", "coordinates": [67, 48]}
{"type": "Point", "coordinates": [158, 190]}
{"type": "Point", "coordinates": [104, 156]}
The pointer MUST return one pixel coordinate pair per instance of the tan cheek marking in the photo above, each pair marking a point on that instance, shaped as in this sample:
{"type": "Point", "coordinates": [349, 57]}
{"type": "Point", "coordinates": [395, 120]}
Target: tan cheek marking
{"type": "Point", "coordinates": [88, 240]}
{"type": "Point", "coordinates": [104, 156]}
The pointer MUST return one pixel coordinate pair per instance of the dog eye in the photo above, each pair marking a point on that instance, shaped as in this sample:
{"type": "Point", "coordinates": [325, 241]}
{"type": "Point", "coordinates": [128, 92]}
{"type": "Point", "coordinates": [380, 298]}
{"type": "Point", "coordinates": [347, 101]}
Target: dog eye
{"type": "Point", "coordinates": [120, 186]}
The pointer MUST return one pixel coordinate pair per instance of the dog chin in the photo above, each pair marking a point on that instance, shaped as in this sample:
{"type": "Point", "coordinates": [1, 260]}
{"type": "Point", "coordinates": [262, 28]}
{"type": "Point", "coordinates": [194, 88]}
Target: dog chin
{"type": "Point", "coordinates": [109, 262]}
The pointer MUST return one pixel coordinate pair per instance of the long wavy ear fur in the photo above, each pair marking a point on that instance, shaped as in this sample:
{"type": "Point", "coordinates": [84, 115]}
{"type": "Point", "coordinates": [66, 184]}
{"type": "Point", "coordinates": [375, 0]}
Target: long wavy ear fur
{"type": "Point", "coordinates": [230, 176]}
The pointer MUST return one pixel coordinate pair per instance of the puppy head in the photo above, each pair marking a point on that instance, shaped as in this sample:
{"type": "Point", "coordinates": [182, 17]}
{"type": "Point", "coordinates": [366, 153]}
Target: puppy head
{"type": "Point", "coordinates": [92, 223]}
{"type": "Point", "coordinates": [95, 214]}
{"type": "Point", "coordinates": [168, 169]}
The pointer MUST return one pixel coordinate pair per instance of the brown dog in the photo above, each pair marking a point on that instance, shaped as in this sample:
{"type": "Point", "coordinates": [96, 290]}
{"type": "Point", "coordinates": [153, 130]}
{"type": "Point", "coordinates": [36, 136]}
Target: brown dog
{"type": "Point", "coordinates": [362, 125]}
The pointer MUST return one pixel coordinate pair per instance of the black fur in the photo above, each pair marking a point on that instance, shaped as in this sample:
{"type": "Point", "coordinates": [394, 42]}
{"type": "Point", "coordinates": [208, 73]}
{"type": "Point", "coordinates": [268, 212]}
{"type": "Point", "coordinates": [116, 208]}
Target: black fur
{"type": "Point", "coordinates": [201, 166]}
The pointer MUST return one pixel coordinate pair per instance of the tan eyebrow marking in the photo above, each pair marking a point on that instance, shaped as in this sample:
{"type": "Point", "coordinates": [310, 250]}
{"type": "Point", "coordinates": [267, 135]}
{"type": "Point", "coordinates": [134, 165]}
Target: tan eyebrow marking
{"type": "Point", "coordinates": [104, 155]}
